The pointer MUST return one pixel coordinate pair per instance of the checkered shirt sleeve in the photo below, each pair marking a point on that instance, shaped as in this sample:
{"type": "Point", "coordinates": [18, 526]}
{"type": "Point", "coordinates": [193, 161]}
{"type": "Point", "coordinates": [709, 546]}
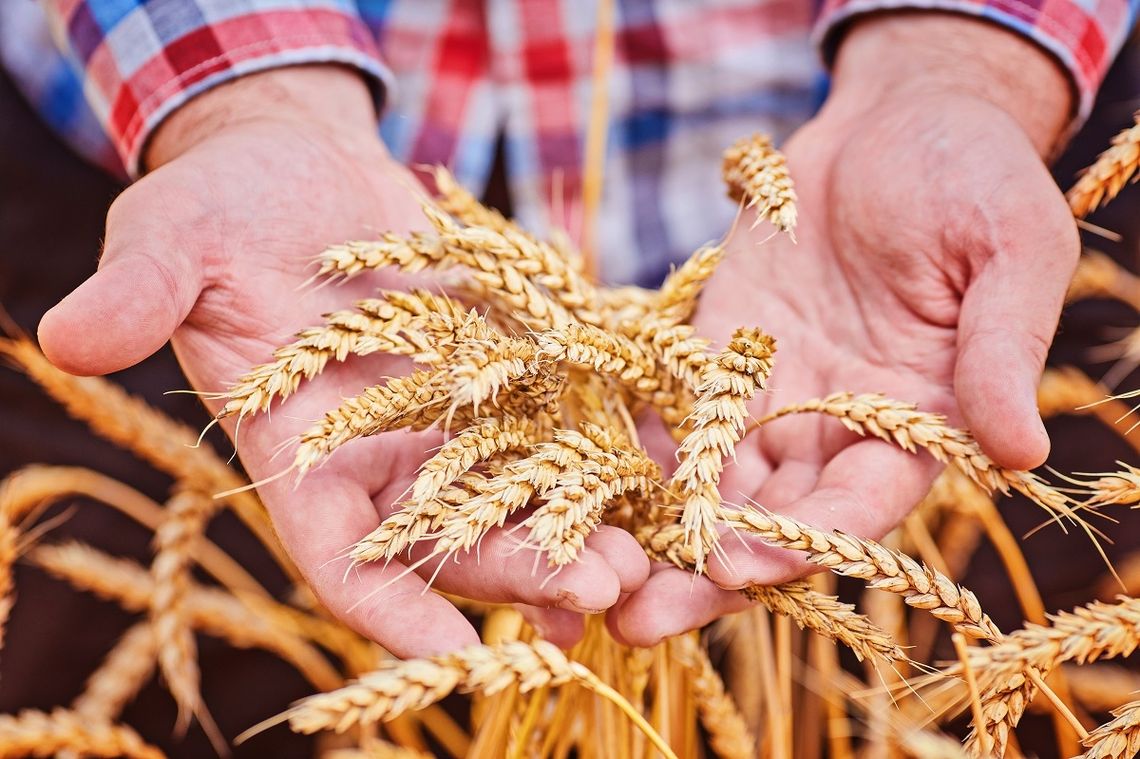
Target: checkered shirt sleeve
{"type": "Point", "coordinates": [142, 59]}
{"type": "Point", "coordinates": [1084, 35]}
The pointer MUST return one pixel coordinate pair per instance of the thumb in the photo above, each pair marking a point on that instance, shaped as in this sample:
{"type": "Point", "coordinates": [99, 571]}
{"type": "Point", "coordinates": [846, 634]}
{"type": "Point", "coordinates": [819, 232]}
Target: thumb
{"type": "Point", "coordinates": [144, 288]}
{"type": "Point", "coordinates": [1008, 317]}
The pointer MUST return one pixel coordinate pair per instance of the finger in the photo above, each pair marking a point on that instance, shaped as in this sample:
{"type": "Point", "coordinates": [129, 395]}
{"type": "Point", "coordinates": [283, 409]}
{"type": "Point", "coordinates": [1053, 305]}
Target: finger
{"type": "Point", "coordinates": [866, 490]}
{"type": "Point", "coordinates": [326, 513]}
{"type": "Point", "coordinates": [1008, 317]}
{"type": "Point", "coordinates": [144, 288]}
{"type": "Point", "coordinates": [502, 570]}
{"type": "Point", "coordinates": [560, 627]}
{"type": "Point", "coordinates": [671, 602]}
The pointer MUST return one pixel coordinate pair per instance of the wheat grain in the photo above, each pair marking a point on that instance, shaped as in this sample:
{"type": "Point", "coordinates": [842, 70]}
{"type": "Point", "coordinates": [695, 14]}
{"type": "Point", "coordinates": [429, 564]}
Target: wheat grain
{"type": "Point", "coordinates": [43, 734]}
{"type": "Point", "coordinates": [728, 382]}
{"type": "Point", "coordinates": [1102, 181]}
{"type": "Point", "coordinates": [757, 174]}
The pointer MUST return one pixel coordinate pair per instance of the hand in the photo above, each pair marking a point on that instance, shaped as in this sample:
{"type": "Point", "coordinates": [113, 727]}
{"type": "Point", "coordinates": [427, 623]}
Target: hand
{"type": "Point", "coordinates": [934, 253]}
{"type": "Point", "coordinates": [251, 180]}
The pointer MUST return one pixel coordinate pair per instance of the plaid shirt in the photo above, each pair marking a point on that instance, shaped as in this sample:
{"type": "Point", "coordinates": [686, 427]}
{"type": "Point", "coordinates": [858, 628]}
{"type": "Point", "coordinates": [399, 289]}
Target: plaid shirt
{"type": "Point", "coordinates": [458, 76]}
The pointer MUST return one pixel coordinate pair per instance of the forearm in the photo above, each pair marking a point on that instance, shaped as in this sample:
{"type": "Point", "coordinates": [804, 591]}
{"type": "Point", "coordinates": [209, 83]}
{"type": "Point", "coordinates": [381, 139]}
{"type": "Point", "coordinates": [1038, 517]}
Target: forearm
{"type": "Point", "coordinates": [923, 54]}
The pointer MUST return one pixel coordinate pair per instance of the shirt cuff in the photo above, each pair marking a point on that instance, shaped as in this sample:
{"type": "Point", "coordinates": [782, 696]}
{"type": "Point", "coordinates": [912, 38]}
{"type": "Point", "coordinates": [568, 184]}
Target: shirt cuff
{"type": "Point", "coordinates": [146, 64]}
{"type": "Point", "coordinates": [1084, 41]}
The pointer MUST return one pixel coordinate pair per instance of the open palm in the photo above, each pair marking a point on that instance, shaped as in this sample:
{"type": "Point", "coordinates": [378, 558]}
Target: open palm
{"type": "Point", "coordinates": [933, 255]}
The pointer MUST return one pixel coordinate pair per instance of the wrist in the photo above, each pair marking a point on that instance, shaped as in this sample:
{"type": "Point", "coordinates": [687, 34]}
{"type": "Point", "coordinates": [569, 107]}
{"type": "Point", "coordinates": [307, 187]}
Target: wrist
{"type": "Point", "coordinates": [925, 54]}
{"type": "Point", "coordinates": [328, 98]}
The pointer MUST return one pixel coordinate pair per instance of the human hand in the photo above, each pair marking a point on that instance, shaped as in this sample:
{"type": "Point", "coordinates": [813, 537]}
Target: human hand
{"type": "Point", "coordinates": [250, 181]}
{"type": "Point", "coordinates": [934, 253]}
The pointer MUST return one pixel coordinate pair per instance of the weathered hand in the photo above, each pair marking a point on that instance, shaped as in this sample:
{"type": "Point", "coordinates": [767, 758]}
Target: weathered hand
{"type": "Point", "coordinates": [934, 253]}
{"type": "Point", "coordinates": [251, 181]}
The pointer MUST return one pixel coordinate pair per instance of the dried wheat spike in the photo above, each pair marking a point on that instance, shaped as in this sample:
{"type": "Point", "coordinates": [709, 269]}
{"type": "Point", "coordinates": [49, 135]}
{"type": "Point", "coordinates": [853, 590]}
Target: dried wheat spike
{"type": "Point", "coordinates": [1098, 276]}
{"type": "Point", "coordinates": [808, 608]}
{"type": "Point", "coordinates": [729, 736]}
{"type": "Point", "coordinates": [133, 424]}
{"type": "Point", "coordinates": [417, 519]}
{"type": "Point", "coordinates": [1121, 487]}
{"type": "Point", "coordinates": [550, 265]}
{"type": "Point", "coordinates": [1102, 181]}
{"type": "Point", "coordinates": [757, 173]}
{"type": "Point", "coordinates": [399, 686]}
{"type": "Point", "coordinates": [1003, 704]}
{"type": "Point", "coordinates": [573, 509]}
{"type": "Point", "coordinates": [36, 733]}
{"type": "Point", "coordinates": [413, 253]}
{"type": "Point", "coordinates": [391, 323]}
{"type": "Point", "coordinates": [728, 382]}
{"type": "Point", "coordinates": [123, 673]}
{"type": "Point", "coordinates": [214, 612]}
{"type": "Point", "coordinates": [883, 569]}
{"type": "Point", "coordinates": [1088, 633]}
{"type": "Point", "coordinates": [479, 442]}
{"type": "Point", "coordinates": [513, 489]}
{"type": "Point", "coordinates": [1118, 739]}
{"type": "Point", "coordinates": [479, 369]}
{"type": "Point", "coordinates": [903, 425]}
{"type": "Point", "coordinates": [187, 514]}
{"type": "Point", "coordinates": [417, 401]}
{"type": "Point", "coordinates": [604, 352]}
{"type": "Point", "coordinates": [677, 299]}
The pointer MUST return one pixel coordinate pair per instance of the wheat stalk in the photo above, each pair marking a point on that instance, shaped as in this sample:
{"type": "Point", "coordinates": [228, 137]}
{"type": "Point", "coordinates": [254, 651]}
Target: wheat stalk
{"type": "Point", "coordinates": [43, 734]}
{"type": "Point", "coordinates": [757, 174]}
{"type": "Point", "coordinates": [728, 382]}
{"type": "Point", "coordinates": [729, 736]}
{"type": "Point", "coordinates": [1102, 181]}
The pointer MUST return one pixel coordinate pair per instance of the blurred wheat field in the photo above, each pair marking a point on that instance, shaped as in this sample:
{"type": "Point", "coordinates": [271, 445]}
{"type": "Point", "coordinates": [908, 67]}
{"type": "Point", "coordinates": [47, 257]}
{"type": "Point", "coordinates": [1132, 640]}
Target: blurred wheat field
{"type": "Point", "coordinates": [536, 372]}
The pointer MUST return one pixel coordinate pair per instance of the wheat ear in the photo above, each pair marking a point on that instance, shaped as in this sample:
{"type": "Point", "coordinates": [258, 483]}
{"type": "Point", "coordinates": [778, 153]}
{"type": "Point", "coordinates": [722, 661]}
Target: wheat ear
{"type": "Point", "coordinates": [757, 174]}
{"type": "Point", "coordinates": [123, 673]}
{"type": "Point", "coordinates": [214, 612]}
{"type": "Point", "coordinates": [398, 687]}
{"type": "Point", "coordinates": [1102, 181]}
{"type": "Point", "coordinates": [729, 736]}
{"type": "Point", "coordinates": [391, 323]}
{"type": "Point", "coordinates": [187, 514]}
{"type": "Point", "coordinates": [1117, 739]}
{"type": "Point", "coordinates": [36, 733]}
{"type": "Point", "coordinates": [728, 382]}
{"type": "Point", "coordinates": [417, 400]}
{"type": "Point", "coordinates": [1121, 487]}
{"type": "Point", "coordinates": [902, 424]}
{"type": "Point", "coordinates": [1098, 276]}
{"type": "Point", "coordinates": [479, 442]}
{"type": "Point", "coordinates": [133, 424]}
{"type": "Point", "coordinates": [808, 608]}
{"type": "Point", "coordinates": [881, 568]}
